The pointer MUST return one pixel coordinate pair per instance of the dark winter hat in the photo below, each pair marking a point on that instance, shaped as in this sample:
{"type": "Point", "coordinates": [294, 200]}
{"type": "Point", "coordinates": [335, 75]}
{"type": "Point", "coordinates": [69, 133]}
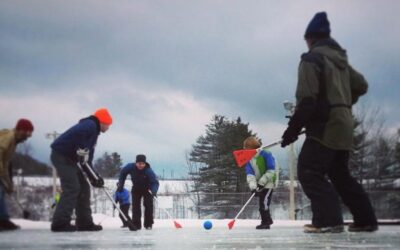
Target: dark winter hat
{"type": "Point", "coordinates": [318, 26]}
{"type": "Point", "coordinates": [140, 158]}
{"type": "Point", "coordinates": [24, 125]}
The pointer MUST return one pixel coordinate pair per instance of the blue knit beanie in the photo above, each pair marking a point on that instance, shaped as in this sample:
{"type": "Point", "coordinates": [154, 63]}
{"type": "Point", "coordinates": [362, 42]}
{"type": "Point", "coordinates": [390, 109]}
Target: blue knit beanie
{"type": "Point", "coordinates": [318, 25]}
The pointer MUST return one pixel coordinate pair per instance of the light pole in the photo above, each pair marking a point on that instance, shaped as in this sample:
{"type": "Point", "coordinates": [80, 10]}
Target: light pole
{"type": "Point", "coordinates": [289, 107]}
{"type": "Point", "coordinates": [53, 136]}
{"type": "Point", "coordinates": [19, 173]}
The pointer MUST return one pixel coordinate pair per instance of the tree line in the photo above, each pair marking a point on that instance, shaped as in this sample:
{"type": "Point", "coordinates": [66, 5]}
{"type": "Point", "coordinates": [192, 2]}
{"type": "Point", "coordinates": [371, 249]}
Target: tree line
{"type": "Point", "coordinates": [375, 160]}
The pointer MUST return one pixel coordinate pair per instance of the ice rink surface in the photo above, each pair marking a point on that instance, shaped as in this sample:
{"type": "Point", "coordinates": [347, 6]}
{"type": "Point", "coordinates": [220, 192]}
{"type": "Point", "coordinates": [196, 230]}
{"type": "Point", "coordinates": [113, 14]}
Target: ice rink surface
{"type": "Point", "coordinates": [193, 236]}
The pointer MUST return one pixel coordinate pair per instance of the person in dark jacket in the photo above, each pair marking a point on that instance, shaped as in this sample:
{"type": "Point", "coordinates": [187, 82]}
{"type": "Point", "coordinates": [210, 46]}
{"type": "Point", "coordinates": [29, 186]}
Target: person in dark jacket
{"type": "Point", "coordinates": [123, 197]}
{"type": "Point", "coordinates": [327, 88]}
{"type": "Point", "coordinates": [145, 185]}
{"type": "Point", "coordinates": [77, 145]}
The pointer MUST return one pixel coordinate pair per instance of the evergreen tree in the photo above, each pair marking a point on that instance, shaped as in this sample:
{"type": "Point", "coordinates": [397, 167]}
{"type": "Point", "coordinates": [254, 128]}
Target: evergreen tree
{"type": "Point", "coordinates": [109, 165]}
{"type": "Point", "coordinates": [217, 172]}
{"type": "Point", "coordinates": [359, 155]}
{"type": "Point", "coordinates": [397, 154]}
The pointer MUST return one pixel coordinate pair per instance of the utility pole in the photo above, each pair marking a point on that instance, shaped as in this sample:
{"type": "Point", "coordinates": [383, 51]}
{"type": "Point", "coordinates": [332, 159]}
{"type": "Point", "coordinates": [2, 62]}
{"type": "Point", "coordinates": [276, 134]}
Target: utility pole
{"type": "Point", "coordinates": [53, 136]}
{"type": "Point", "coordinates": [289, 106]}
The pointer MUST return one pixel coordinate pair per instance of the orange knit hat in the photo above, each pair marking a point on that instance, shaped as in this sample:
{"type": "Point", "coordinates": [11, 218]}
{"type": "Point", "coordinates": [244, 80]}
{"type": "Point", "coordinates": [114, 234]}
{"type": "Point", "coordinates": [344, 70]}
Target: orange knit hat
{"type": "Point", "coordinates": [104, 116]}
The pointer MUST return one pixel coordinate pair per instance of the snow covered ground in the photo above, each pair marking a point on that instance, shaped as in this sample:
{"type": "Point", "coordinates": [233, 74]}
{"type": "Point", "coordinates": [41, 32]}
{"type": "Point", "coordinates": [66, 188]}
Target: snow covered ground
{"type": "Point", "coordinates": [283, 235]}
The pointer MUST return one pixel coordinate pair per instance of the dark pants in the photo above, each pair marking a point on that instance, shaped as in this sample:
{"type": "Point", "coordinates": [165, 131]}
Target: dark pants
{"type": "Point", "coordinates": [3, 206]}
{"type": "Point", "coordinates": [137, 211]}
{"type": "Point", "coordinates": [316, 164]}
{"type": "Point", "coordinates": [125, 209]}
{"type": "Point", "coordinates": [264, 203]}
{"type": "Point", "coordinates": [75, 195]}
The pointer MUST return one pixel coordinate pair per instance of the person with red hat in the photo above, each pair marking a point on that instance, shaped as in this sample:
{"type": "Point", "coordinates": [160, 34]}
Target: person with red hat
{"type": "Point", "coordinates": [77, 145]}
{"type": "Point", "coordinates": [9, 138]}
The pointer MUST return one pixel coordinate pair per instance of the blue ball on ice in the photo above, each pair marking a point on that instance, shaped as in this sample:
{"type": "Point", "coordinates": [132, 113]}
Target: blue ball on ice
{"type": "Point", "coordinates": [207, 225]}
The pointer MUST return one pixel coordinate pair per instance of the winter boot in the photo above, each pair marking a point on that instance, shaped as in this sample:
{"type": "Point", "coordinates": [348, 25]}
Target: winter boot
{"type": "Point", "coordinates": [137, 224]}
{"type": "Point", "coordinates": [148, 227]}
{"type": "Point", "coordinates": [266, 220]}
{"type": "Point", "coordinates": [358, 228]}
{"type": "Point", "coordinates": [63, 228]}
{"type": "Point", "coordinates": [7, 225]}
{"type": "Point", "coordinates": [92, 227]}
{"type": "Point", "coordinates": [310, 228]}
{"type": "Point", "coordinates": [263, 226]}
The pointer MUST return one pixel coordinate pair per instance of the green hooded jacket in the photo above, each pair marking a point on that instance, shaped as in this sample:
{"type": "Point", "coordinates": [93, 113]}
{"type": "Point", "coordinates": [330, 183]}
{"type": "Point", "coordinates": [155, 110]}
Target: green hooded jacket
{"type": "Point", "coordinates": [326, 76]}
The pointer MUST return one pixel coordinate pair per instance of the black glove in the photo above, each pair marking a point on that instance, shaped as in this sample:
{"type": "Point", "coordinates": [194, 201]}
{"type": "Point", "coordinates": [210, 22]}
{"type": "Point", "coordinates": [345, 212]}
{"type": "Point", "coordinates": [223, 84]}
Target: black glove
{"type": "Point", "coordinates": [290, 135]}
{"type": "Point", "coordinates": [99, 183]}
{"type": "Point", "coordinates": [94, 178]}
{"type": "Point", "coordinates": [259, 188]}
{"type": "Point", "coordinates": [254, 191]}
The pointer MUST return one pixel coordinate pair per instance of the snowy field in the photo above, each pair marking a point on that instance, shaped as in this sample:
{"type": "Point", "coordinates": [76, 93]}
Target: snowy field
{"type": "Point", "coordinates": [283, 235]}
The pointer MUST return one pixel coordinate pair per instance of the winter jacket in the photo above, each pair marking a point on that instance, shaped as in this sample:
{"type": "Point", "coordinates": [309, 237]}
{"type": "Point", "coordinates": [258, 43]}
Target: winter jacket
{"type": "Point", "coordinates": [82, 135]}
{"type": "Point", "coordinates": [327, 88]}
{"type": "Point", "coordinates": [122, 197]}
{"type": "Point", "coordinates": [7, 149]}
{"type": "Point", "coordinates": [142, 180]}
{"type": "Point", "coordinates": [261, 170]}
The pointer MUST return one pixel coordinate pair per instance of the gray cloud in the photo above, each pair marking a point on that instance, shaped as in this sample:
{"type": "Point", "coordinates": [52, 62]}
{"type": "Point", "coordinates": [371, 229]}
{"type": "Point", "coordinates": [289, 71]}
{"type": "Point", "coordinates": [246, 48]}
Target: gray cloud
{"type": "Point", "coordinates": [229, 57]}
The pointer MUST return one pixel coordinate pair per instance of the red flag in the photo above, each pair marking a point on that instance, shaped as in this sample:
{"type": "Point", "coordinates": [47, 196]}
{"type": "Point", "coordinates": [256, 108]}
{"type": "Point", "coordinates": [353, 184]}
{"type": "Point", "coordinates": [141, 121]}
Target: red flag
{"type": "Point", "coordinates": [243, 156]}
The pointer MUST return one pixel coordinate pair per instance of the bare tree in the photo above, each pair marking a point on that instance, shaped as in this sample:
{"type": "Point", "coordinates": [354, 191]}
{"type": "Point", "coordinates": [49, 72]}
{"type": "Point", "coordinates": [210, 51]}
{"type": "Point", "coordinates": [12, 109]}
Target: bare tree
{"type": "Point", "coordinates": [374, 147]}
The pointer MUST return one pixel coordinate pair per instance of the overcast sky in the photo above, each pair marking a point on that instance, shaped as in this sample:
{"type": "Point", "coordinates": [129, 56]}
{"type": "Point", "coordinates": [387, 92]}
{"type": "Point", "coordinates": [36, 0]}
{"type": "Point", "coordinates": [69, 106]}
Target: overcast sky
{"type": "Point", "coordinates": [164, 68]}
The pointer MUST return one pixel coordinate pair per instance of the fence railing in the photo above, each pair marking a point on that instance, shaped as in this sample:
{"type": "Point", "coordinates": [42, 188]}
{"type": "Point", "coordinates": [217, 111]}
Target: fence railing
{"type": "Point", "coordinates": [38, 200]}
{"type": "Point", "coordinates": [217, 205]}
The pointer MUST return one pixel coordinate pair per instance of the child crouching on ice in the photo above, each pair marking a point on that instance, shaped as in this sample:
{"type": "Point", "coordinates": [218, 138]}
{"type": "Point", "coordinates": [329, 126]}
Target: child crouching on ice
{"type": "Point", "coordinates": [261, 177]}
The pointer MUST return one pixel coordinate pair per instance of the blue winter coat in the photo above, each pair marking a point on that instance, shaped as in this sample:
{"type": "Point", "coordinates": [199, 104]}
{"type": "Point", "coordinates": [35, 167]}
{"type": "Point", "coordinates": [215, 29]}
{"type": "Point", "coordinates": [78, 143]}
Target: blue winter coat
{"type": "Point", "coordinates": [82, 135]}
{"type": "Point", "coordinates": [142, 180]}
{"type": "Point", "coordinates": [122, 197]}
{"type": "Point", "coordinates": [267, 163]}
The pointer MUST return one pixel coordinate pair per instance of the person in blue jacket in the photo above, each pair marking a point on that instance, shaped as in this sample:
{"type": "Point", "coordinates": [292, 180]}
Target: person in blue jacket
{"type": "Point", "coordinates": [124, 199]}
{"type": "Point", "coordinates": [261, 177]}
{"type": "Point", "coordinates": [76, 145]}
{"type": "Point", "coordinates": [145, 185]}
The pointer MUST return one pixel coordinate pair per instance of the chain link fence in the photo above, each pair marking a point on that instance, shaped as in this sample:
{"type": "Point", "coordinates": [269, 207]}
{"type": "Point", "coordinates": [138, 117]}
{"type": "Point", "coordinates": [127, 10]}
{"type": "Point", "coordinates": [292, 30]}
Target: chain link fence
{"type": "Point", "coordinates": [191, 205]}
{"type": "Point", "coordinates": [36, 197]}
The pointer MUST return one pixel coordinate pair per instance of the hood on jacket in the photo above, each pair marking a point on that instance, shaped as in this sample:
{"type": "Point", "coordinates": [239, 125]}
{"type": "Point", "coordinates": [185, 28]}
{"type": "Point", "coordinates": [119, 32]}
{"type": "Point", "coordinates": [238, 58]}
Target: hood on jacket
{"type": "Point", "coordinates": [93, 118]}
{"type": "Point", "coordinates": [332, 50]}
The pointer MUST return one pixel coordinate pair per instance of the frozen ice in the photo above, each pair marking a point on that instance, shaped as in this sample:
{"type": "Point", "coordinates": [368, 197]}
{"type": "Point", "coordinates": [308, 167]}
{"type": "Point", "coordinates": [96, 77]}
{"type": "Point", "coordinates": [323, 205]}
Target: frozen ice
{"type": "Point", "coordinates": [283, 235]}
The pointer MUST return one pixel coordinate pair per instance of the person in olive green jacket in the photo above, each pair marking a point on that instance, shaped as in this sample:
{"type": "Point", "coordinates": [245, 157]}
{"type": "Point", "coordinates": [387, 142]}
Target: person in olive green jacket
{"type": "Point", "coordinates": [9, 138]}
{"type": "Point", "coordinates": [327, 88]}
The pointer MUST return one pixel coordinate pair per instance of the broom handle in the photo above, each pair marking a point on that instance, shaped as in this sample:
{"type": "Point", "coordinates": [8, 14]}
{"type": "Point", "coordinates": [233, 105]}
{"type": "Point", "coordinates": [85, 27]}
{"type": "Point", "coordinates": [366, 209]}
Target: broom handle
{"type": "Point", "coordinates": [276, 143]}
{"type": "Point", "coordinates": [248, 201]}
